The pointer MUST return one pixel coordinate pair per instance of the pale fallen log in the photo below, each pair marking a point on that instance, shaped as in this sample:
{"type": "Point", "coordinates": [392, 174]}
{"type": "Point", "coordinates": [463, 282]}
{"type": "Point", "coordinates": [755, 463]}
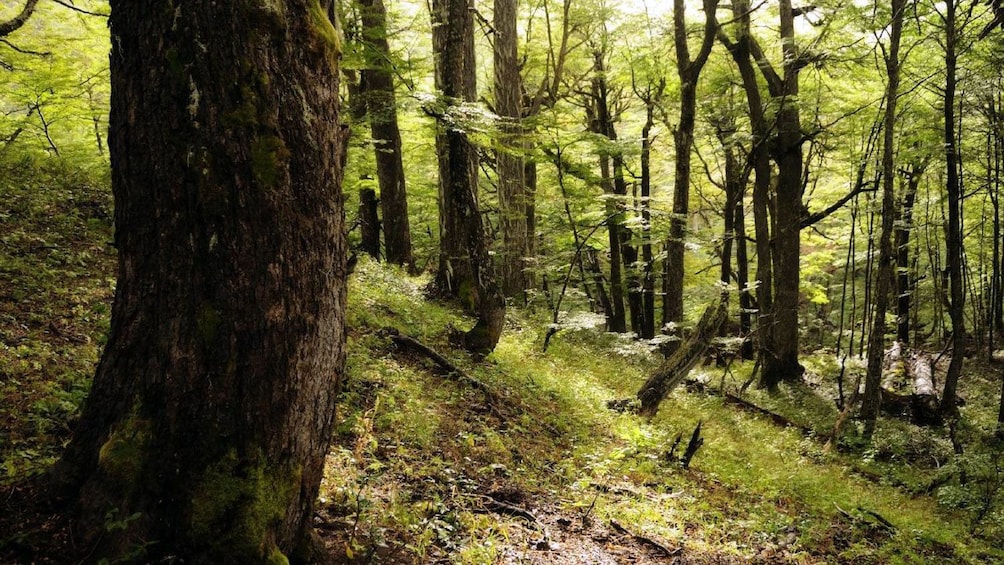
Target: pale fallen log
{"type": "Point", "coordinates": [676, 367]}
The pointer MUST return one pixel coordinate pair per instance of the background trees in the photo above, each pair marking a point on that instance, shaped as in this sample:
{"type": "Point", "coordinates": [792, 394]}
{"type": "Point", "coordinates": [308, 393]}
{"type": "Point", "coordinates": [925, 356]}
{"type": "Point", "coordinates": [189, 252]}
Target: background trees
{"type": "Point", "coordinates": [552, 142]}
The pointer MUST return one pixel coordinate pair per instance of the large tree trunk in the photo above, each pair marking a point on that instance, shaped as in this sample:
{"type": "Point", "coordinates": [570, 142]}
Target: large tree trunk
{"type": "Point", "coordinates": [466, 268]}
{"type": "Point", "coordinates": [209, 418]}
{"type": "Point", "coordinates": [381, 107]}
{"type": "Point", "coordinates": [871, 401]}
{"type": "Point", "coordinates": [451, 49]}
{"type": "Point", "coordinates": [782, 364]}
{"type": "Point", "coordinates": [514, 201]}
{"type": "Point", "coordinates": [759, 161]}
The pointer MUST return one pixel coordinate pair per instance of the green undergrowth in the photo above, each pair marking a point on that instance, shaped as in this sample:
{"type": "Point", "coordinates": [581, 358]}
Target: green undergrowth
{"type": "Point", "coordinates": [419, 455]}
{"type": "Point", "coordinates": [421, 458]}
{"type": "Point", "coordinates": [56, 284]}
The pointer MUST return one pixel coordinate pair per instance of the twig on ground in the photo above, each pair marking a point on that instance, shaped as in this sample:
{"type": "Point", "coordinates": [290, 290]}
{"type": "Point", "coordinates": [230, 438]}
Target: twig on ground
{"type": "Point", "coordinates": [451, 370]}
{"type": "Point", "coordinates": [646, 540]}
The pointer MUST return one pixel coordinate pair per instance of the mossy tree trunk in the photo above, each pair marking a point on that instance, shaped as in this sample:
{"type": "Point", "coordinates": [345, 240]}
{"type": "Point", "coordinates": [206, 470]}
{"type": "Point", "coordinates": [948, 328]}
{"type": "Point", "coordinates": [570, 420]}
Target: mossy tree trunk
{"type": "Point", "coordinates": [675, 368]}
{"type": "Point", "coordinates": [208, 421]}
{"type": "Point", "coordinates": [465, 269]}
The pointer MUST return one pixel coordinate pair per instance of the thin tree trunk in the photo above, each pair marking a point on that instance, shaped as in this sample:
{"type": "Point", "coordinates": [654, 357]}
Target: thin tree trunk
{"type": "Point", "coordinates": [648, 259]}
{"type": "Point", "coordinates": [953, 238]}
{"type": "Point", "coordinates": [209, 418]}
{"type": "Point", "coordinates": [381, 108]}
{"type": "Point", "coordinates": [601, 122]}
{"type": "Point", "coordinates": [904, 228]}
{"type": "Point", "coordinates": [871, 401]}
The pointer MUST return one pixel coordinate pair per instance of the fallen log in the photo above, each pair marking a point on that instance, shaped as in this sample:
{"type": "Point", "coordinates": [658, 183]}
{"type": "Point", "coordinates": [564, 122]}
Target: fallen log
{"type": "Point", "coordinates": [914, 372]}
{"type": "Point", "coordinates": [676, 367]}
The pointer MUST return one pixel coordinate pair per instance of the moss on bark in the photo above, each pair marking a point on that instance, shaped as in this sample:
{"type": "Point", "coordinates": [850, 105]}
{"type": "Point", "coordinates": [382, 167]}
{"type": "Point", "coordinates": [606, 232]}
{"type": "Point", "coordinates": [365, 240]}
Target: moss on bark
{"type": "Point", "coordinates": [244, 500]}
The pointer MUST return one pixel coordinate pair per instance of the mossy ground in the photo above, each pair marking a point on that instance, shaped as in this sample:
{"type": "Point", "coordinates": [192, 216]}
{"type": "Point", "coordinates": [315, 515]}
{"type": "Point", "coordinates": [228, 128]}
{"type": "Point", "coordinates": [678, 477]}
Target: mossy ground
{"type": "Point", "coordinates": [426, 468]}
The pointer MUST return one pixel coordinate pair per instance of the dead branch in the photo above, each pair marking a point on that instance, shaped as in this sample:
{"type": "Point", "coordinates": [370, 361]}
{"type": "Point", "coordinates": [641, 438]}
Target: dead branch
{"type": "Point", "coordinates": [771, 415]}
{"type": "Point", "coordinates": [451, 370]}
{"type": "Point", "coordinates": [646, 540]}
{"type": "Point", "coordinates": [696, 441]}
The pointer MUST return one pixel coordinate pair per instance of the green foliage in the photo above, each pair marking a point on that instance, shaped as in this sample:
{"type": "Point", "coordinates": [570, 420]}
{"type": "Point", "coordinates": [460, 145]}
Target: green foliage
{"type": "Point", "coordinates": [56, 86]}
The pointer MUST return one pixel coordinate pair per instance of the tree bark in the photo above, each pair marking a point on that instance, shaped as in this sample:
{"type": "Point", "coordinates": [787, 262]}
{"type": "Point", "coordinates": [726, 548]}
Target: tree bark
{"type": "Point", "coordinates": [210, 414]}
{"type": "Point", "coordinates": [466, 268]}
{"type": "Point", "coordinates": [381, 108]}
{"type": "Point", "coordinates": [689, 70]}
{"type": "Point", "coordinates": [514, 200]}
{"type": "Point", "coordinates": [953, 237]}
{"type": "Point", "coordinates": [871, 401]}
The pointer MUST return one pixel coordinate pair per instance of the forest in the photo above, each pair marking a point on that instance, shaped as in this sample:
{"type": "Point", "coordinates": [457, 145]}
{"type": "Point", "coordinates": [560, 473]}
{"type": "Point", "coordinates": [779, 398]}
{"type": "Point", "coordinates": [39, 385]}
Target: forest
{"type": "Point", "coordinates": [502, 281]}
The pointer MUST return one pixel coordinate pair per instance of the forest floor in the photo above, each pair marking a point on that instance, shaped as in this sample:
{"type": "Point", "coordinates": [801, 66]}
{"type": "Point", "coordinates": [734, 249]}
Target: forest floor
{"type": "Point", "coordinates": [530, 466]}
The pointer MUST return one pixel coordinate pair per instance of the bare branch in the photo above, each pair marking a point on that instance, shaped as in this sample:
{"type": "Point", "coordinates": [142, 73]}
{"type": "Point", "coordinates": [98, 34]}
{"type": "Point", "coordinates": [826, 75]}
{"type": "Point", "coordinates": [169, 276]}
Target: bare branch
{"type": "Point", "coordinates": [69, 4]}
{"type": "Point", "coordinates": [25, 51]}
{"type": "Point", "coordinates": [9, 27]}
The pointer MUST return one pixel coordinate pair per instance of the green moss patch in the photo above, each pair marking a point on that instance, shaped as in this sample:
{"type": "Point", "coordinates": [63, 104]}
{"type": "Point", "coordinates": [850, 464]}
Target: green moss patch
{"type": "Point", "coordinates": [236, 504]}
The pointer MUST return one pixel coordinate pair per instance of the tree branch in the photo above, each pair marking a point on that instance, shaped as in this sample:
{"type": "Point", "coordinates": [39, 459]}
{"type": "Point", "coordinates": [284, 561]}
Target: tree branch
{"type": "Point", "coordinates": [13, 25]}
{"type": "Point", "coordinates": [811, 219]}
{"type": "Point", "coordinates": [25, 51]}
{"type": "Point", "coordinates": [80, 10]}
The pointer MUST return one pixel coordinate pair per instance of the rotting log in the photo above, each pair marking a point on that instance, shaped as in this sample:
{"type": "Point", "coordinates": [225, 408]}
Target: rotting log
{"type": "Point", "coordinates": [676, 367]}
{"type": "Point", "coordinates": [913, 370]}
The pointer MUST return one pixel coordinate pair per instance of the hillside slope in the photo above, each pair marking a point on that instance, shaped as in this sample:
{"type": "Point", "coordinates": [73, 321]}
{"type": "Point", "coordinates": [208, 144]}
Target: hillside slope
{"type": "Point", "coordinates": [516, 459]}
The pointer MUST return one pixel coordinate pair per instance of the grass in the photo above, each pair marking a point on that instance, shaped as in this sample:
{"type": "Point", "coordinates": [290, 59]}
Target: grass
{"type": "Point", "coordinates": [421, 462]}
